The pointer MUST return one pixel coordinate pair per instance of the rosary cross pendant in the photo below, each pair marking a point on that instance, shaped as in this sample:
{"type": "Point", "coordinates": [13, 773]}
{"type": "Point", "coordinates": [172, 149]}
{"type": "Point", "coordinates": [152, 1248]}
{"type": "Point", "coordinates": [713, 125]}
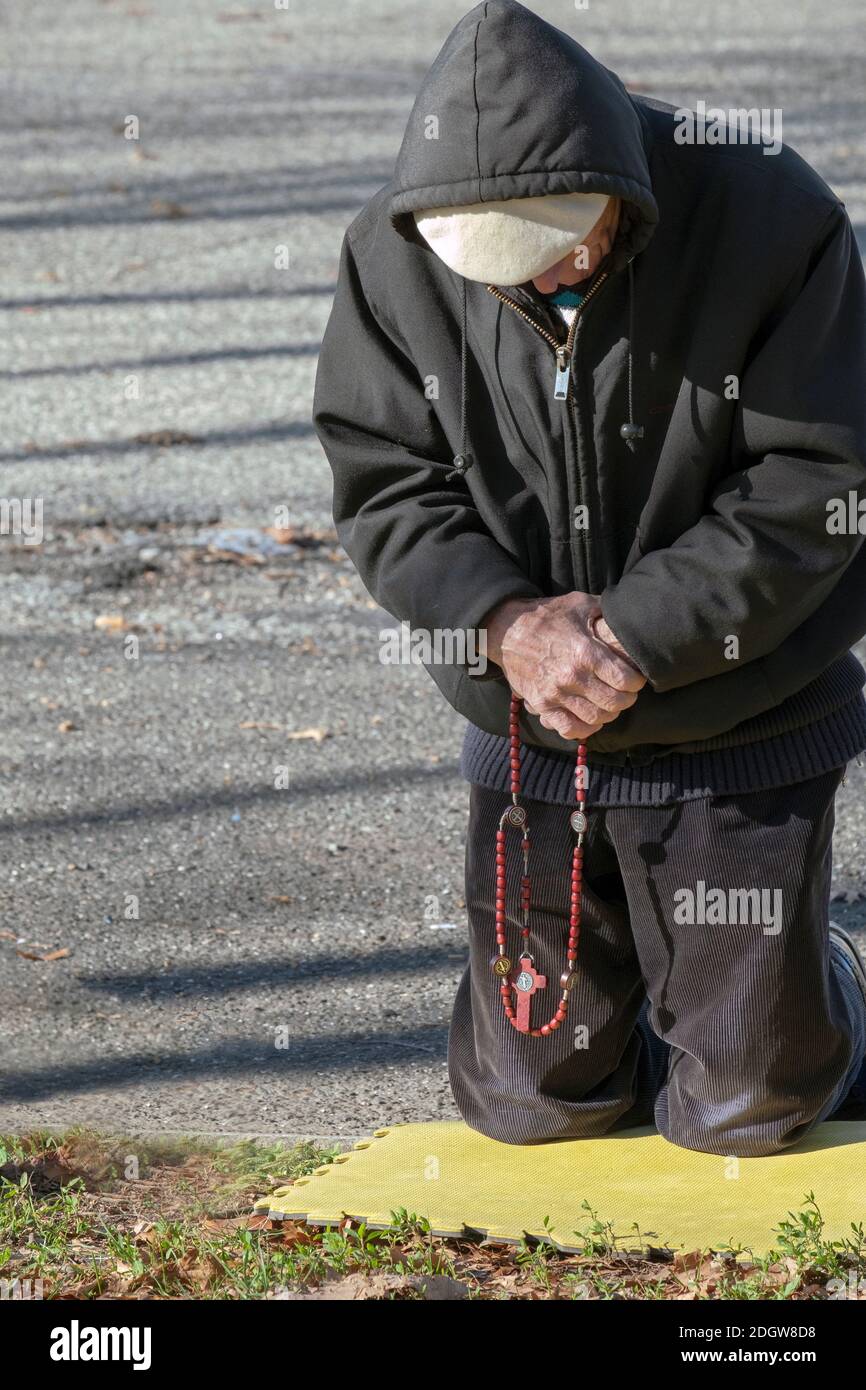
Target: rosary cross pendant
{"type": "Point", "coordinates": [525, 982]}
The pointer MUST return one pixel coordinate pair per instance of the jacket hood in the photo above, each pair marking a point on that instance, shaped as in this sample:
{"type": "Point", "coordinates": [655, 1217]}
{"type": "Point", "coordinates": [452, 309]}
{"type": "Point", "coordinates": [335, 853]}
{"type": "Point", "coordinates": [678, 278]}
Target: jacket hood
{"type": "Point", "coordinates": [514, 108]}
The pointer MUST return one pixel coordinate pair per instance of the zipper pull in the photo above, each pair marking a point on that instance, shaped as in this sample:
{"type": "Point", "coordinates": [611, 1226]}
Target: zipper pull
{"type": "Point", "coordinates": [563, 371]}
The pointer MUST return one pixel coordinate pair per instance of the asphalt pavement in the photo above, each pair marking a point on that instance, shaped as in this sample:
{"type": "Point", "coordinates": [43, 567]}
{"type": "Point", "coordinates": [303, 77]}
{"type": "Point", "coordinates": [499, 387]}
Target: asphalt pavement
{"type": "Point", "coordinates": [239, 835]}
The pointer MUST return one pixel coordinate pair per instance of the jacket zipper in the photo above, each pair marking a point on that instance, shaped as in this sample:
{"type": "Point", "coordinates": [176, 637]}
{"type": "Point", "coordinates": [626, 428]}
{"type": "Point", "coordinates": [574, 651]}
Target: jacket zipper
{"type": "Point", "coordinates": [563, 390]}
{"type": "Point", "coordinates": [562, 351]}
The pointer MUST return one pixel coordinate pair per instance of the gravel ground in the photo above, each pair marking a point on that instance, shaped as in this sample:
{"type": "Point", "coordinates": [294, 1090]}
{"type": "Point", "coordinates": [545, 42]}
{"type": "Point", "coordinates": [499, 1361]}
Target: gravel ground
{"type": "Point", "coordinates": [245, 956]}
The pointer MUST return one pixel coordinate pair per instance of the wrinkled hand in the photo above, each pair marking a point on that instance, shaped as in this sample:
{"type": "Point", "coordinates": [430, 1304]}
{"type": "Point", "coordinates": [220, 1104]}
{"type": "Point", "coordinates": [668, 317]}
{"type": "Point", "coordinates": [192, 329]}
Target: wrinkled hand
{"type": "Point", "coordinates": [560, 657]}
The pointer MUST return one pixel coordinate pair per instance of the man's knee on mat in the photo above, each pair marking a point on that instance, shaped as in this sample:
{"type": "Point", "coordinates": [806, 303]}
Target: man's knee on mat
{"type": "Point", "coordinates": [512, 1128]}
{"type": "Point", "coordinates": [745, 1126]}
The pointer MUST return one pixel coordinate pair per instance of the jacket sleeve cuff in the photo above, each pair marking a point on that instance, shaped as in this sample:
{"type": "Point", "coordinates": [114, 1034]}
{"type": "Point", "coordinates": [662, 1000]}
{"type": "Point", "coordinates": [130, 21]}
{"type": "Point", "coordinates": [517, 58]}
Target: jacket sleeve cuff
{"type": "Point", "coordinates": [631, 637]}
{"type": "Point", "coordinates": [491, 672]}
{"type": "Point", "coordinates": [506, 587]}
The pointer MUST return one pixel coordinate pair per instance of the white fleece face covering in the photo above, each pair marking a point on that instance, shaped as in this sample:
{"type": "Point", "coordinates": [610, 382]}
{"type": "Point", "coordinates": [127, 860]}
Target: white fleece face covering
{"type": "Point", "coordinates": [509, 242]}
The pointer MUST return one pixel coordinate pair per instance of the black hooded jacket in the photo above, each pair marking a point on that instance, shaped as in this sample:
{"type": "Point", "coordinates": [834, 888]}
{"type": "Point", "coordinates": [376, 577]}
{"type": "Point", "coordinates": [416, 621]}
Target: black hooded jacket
{"type": "Point", "coordinates": [728, 323]}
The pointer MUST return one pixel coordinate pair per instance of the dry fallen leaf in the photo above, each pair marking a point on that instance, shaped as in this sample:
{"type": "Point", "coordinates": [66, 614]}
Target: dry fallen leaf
{"type": "Point", "coordinates": [688, 1259]}
{"type": "Point", "coordinates": [166, 207]}
{"type": "Point", "coordinates": [166, 438]}
{"type": "Point", "coordinates": [78, 1291]}
{"type": "Point", "coordinates": [255, 1221]}
{"type": "Point", "coordinates": [148, 1235]}
{"type": "Point", "coordinates": [781, 1273]}
{"type": "Point", "coordinates": [381, 1286]}
{"type": "Point", "coordinates": [199, 1273]}
{"type": "Point", "coordinates": [45, 955]}
{"type": "Point", "coordinates": [233, 557]}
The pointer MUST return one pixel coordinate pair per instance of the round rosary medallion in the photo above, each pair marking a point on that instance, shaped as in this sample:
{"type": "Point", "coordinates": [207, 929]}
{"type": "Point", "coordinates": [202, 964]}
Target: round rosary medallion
{"type": "Point", "coordinates": [578, 822]}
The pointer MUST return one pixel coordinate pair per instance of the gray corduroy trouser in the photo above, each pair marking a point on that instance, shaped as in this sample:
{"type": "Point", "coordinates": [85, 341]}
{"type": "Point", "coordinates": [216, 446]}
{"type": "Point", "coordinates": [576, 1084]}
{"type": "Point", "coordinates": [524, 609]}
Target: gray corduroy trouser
{"type": "Point", "coordinates": [708, 1002]}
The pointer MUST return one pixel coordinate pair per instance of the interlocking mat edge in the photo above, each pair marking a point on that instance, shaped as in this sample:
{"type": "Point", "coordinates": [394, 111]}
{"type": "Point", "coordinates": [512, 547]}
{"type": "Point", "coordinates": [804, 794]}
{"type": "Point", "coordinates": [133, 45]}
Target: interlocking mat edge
{"type": "Point", "coordinates": [649, 1191]}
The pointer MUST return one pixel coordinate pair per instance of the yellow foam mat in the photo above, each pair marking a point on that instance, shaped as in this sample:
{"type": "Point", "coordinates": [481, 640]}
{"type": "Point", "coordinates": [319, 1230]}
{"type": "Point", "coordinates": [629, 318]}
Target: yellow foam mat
{"type": "Point", "coordinates": [465, 1183]}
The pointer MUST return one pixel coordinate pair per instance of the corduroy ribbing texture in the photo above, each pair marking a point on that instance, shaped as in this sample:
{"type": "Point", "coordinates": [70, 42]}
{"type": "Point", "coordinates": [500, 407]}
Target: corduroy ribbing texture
{"type": "Point", "coordinates": [733, 1036]}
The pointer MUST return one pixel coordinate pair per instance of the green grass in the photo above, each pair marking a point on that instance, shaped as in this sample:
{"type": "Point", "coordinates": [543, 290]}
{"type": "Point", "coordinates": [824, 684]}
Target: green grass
{"type": "Point", "coordinates": [177, 1223]}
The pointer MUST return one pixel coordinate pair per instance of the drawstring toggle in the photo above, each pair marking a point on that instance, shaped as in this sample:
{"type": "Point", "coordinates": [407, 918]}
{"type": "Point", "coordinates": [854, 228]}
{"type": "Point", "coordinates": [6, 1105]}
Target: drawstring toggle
{"type": "Point", "coordinates": [461, 465]}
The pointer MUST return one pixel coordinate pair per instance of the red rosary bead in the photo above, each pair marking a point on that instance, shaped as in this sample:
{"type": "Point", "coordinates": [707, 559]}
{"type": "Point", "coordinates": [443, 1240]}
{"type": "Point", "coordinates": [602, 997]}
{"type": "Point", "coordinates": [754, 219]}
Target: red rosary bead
{"type": "Point", "coordinates": [526, 980]}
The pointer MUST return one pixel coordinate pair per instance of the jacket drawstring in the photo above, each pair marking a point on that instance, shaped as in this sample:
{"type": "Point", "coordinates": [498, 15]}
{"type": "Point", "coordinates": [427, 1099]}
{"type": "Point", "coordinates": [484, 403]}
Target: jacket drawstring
{"type": "Point", "coordinates": [461, 462]}
{"type": "Point", "coordinates": [629, 431]}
